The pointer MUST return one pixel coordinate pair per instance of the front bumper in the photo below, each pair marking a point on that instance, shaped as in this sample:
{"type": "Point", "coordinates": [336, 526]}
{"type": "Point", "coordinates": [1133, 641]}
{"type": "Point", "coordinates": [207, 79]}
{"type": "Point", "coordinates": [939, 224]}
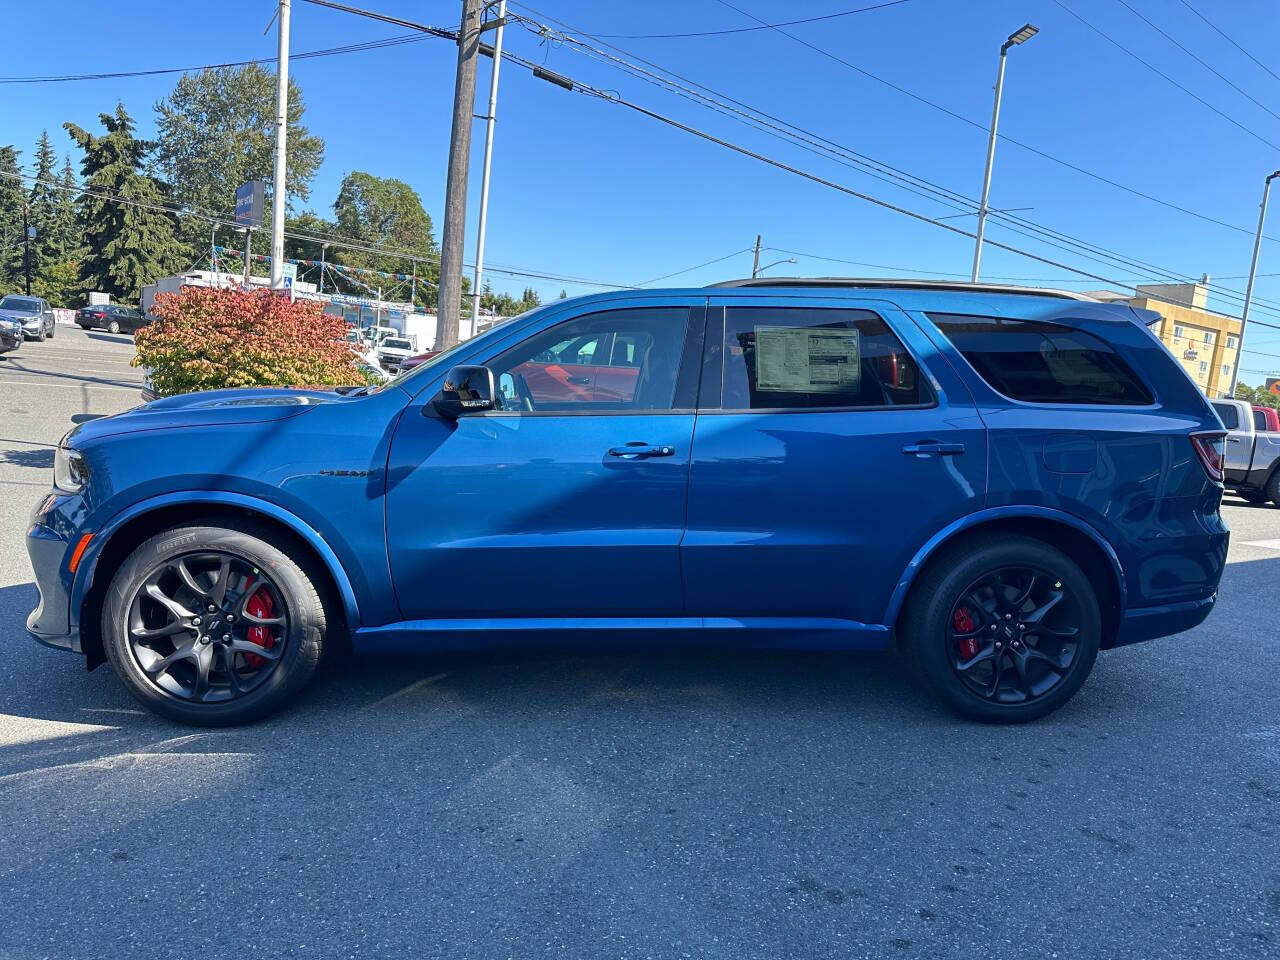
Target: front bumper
{"type": "Point", "coordinates": [33, 327]}
{"type": "Point", "coordinates": [50, 621]}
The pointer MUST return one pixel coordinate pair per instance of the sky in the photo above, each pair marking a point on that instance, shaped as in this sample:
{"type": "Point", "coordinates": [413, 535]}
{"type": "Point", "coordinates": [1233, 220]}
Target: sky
{"type": "Point", "coordinates": [590, 189]}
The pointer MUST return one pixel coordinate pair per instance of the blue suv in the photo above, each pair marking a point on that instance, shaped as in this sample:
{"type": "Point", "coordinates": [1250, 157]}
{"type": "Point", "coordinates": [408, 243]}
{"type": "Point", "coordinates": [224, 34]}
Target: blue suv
{"type": "Point", "coordinates": [997, 481]}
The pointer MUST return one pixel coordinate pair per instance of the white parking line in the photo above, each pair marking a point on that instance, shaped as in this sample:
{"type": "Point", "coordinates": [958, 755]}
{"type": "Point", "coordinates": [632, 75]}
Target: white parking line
{"type": "Point", "coordinates": [1266, 544]}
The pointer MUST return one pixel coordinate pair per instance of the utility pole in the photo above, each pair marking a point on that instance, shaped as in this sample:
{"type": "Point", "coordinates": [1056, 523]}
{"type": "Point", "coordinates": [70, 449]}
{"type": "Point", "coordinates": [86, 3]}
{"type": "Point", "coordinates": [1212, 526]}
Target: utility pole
{"type": "Point", "coordinates": [453, 235]}
{"type": "Point", "coordinates": [755, 261]}
{"type": "Point", "coordinates": [1022, 35]}
{"type": "Point", "coordinates": [282, 130]}
{"type": "Point", "coordinates": [323, 248]}
{"type": "Point", "coordinates": [498, 26]}
{"type": "Point", "coordinates": [248, 249]}
{"type": "Point", "coordinates": [26, 246]}
{"type": "Point", "coordinates": [1248, 290]}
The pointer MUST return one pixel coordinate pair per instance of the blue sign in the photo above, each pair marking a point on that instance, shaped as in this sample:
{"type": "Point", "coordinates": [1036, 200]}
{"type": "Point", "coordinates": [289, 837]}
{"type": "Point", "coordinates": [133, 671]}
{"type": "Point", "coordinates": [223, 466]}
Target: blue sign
{"type": "Point", "coordinates": [249, 204]}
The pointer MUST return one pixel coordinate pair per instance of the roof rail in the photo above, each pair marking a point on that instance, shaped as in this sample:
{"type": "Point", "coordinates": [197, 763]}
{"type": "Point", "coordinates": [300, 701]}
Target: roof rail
{"type": "Point", "coordinates": [895, 283]}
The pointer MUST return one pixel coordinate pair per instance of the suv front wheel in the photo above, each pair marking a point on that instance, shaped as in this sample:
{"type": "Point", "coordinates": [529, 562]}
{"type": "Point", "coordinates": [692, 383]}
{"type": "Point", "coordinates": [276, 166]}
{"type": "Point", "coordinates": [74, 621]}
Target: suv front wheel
{"type": "Point", "coordinates": [213, 625]}
{"type": "Point", "coordinates": [1003, 629]}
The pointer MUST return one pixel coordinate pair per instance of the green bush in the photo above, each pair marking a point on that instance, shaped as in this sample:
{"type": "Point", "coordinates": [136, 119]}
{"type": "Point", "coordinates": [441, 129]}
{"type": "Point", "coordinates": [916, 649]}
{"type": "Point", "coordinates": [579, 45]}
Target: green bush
{"type": "Point", "coordinates": [205, 339]}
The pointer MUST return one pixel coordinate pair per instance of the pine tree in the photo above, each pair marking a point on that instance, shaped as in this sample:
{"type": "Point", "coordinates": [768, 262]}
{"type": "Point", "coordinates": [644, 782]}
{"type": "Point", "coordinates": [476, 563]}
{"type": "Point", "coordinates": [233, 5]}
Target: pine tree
{"type": "Point", "coordinates": [12, 199]}
{"type": "Point", "coordinates": [66, 227]}
{"type": "Point", "coordinates": [44, 207]}
{"type": "Point", "coordinates": [127, 244]}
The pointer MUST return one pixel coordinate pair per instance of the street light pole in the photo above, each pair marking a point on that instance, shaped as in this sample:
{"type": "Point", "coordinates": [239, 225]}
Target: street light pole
{"type": "Point", "coordinates": [1022, 35]}
{"type": "Point", "coordinates": [755, 262]}
{"type": "Point", "coordinates": [488, 160]}
{"type": "Point", "coordinates": [282, 129]}
{"type": "Point", "coordinates": [323, 248]}
{"type": "Point", "coordinates": [761, 270]}
{"type": "Point", "coordinates": [1248, 290]}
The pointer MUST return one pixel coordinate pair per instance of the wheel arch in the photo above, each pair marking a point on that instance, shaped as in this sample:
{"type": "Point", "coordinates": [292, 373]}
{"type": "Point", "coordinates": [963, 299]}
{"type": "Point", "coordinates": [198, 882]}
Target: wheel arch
{"type": "Point", "coordinates": [131, 527]}
{"type": "Point", "coordinates": [1081, 542]}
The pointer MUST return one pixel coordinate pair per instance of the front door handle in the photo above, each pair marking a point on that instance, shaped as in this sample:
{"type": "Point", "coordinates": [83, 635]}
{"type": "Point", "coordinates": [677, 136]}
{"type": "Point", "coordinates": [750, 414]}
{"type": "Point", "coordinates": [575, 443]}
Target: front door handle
{"type": "Point", "coordinates": [639, 450]}
{"type": "Point", "coordinates": [922, 449]}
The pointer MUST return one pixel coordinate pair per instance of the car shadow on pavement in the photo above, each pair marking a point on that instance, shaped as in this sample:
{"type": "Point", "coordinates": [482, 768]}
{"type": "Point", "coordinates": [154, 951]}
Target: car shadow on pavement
{"type": "Point", "coordinates": [37, 457]}
{"type": "Point", "coordinates": [110, 337]}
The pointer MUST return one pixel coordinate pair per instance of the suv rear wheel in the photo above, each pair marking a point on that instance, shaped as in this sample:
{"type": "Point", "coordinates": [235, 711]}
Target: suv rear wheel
{"type": "Point", "coordinates": [212, 625]}
{"type": "Point", "coordinates": [1273, 488]}
{"type": "Point", "coordinates": [1003, 629]}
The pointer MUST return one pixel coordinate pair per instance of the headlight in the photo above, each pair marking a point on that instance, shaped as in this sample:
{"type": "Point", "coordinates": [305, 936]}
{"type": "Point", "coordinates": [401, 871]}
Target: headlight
{"type": "Point", "coordinates": [69, 470]}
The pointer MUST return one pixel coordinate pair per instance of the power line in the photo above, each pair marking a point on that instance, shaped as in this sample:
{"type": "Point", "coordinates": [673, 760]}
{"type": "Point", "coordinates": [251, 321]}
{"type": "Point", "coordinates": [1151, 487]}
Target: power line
{"type": "Point", "coordinates": [719, 33]}
{"type": "Point", "coordinates": [1044, 155]}
{"type": "Point", "coordinates": [815, 143]}
{"type": "Point", "coordinates": [124, 74]}
{"type": "Point", "coordinates": [667, 276]}
{"type": "Point", "coordinates": [333, 241]}
{"type": "Point", "coordinates": [1213, 26]}
{"type": "Point", "coordinates": [1204, 63]}
{"type": "Point", "coordinates": [1156, 70]}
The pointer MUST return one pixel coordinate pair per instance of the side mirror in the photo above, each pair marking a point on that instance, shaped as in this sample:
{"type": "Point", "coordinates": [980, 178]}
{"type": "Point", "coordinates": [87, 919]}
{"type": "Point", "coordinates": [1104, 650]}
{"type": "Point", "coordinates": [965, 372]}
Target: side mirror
{"type": "Point", "coordinates": [466, 389]}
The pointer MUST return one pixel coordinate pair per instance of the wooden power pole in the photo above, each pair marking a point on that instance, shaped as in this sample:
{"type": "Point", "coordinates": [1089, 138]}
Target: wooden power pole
{"type": "Point", "coordinates": [453, 234]}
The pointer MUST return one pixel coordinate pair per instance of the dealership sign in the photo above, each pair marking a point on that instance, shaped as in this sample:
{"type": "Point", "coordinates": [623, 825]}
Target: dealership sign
{"type": "Point", "coordinates": [249, 204]}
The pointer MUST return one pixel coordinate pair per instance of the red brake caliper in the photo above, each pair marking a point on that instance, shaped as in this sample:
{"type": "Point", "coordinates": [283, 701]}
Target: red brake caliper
{"type": "Point", "coordinates": [962, 620]}
{"type": "Point", "coordinates": [259, 605]}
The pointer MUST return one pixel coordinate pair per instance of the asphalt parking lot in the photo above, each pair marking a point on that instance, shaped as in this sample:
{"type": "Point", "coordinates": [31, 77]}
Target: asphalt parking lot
{"type": "Point", "coordinates": [630, 805]}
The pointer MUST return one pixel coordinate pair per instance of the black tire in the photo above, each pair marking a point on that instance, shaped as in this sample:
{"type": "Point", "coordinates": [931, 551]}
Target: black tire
{"type": "Point", "coordinates": [926, 626]}
{"type": "Point", "coordinates": [53, 328]}
{"type": "Point", "coordinates": [1252, 496]}
{"type": "Point", "coordinates": [1273, 488]}
{"type": "Point", "coordinates": [303, 630]}
{"type": "Point", "coordinates": [113, 326]}
{"type": "Point", "coordinates": [83, 326]}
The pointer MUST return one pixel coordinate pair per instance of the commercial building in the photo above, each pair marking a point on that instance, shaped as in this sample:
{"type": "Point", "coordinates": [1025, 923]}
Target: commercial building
{"type": "Point", "coordinates": [1203, 341]}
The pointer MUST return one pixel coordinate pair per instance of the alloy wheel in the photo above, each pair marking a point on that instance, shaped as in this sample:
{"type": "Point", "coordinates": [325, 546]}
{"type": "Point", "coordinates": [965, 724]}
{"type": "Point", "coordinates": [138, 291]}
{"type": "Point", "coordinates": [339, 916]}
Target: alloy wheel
{"type": "Point", "coordinates": [207, 627]}
{"type": "Point", "coordinates": [1013, 635]}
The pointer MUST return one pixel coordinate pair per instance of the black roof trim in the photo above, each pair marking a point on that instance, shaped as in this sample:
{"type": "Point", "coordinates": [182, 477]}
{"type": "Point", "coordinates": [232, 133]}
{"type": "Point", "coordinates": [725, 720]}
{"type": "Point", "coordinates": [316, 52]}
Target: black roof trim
{"type": "Point", "coordinates": [893, 283]}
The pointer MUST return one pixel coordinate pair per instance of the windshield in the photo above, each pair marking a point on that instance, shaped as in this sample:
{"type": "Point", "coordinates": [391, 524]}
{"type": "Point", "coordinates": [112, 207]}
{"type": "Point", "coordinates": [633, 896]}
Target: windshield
{"type": "Point", "coordinates": [396, 343]}
{"type": "Point", "coordinates": [21, 304]}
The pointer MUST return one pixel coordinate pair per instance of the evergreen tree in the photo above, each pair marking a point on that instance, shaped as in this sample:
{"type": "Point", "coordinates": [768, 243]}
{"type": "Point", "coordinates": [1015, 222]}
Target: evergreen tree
{"type": "Point", "coordinates": [127, 244]}
{"type": "Point", "coordinates": [12, 198]}
{"type": "Point", "coordinates": [44, 199]}
{"type": "Point", "coordinates": [65, 230]}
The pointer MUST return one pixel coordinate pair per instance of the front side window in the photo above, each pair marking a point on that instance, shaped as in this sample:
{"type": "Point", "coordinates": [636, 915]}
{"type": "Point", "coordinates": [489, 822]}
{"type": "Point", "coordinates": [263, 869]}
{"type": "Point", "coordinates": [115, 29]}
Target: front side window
{"type": "Point", "coordinates": [618, 360]}
{"type": "Point", "coordinates": [814, 358]}
{"type": "Point", "coordinates": [1038, 362]}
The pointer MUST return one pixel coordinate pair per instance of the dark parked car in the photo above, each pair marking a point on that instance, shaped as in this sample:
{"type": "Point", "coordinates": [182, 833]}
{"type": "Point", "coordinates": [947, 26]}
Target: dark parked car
{"type": "Point", "coordinates": [999, 482]}
{"type": "Point", "coordinates": [10, 334]}
{"type": "Point", "coordinates": [33, 314]}
{"type": "Point", "coordinates": [111, 317]}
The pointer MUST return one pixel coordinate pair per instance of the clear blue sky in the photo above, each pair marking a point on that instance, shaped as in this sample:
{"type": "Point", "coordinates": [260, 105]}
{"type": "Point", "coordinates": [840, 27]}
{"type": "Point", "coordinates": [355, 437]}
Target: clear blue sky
{"type": "Point", "coordinates": [593, 190]}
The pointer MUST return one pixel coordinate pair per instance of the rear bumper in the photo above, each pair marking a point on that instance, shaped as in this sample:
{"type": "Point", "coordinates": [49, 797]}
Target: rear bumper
{"type": "Point", "coordinates": [50, 621]}
{"type": "Point", "coordinates": [1148, 623]}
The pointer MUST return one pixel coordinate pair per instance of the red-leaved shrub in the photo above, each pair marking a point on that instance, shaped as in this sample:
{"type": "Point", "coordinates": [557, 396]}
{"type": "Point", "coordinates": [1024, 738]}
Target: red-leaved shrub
{"type": "Point", "coordinates": [204, 339]}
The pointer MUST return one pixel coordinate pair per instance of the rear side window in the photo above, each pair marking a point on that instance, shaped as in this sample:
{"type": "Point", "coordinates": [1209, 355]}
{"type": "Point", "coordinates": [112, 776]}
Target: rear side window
{"type": "Point", "coordinates": [1038, 362]}
{"type": "Point", "coordinates": [815, 358]}
{"type": "Point", "coordinates": [1228, 414]}
{"type": "Point", "coordinates": [1259, 421]}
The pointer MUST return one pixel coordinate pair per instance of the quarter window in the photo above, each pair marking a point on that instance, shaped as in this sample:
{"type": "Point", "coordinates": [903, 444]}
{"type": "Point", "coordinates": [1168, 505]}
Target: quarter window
{"type": "Point", "coordinates": [1259, 421]}
{"type": "Point", "coordinates": [814, 358]}
{"type": "Point", "coordinates": [618, 360]}
{"type": "Point", "coordinates": [1039, 362]}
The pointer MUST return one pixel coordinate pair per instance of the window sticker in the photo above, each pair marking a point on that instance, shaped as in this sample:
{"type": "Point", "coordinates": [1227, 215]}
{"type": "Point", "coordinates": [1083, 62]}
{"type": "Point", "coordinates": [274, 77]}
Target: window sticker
{"type": "Point", "coordinates": [808, 359]}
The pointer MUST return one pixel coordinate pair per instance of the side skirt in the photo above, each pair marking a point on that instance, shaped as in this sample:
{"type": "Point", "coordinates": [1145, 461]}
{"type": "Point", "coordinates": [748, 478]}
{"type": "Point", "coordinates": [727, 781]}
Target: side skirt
{"type": "Point", "coordinates": [787, 633]}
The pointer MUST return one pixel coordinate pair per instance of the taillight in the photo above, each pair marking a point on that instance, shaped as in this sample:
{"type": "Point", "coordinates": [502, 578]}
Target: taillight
{"type": "Point", "coordinates": [1211, 449]}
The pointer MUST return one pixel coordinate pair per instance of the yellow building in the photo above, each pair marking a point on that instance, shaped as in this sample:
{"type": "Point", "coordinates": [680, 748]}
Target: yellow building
{"type": "Point", "coordinates": [1203, 341]}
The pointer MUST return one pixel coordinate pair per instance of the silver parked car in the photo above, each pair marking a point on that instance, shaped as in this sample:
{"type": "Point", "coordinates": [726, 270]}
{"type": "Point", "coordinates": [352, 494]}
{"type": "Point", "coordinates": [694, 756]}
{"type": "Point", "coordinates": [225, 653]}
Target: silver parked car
{"type": "Point", "coordinates": [33, 313]}
{"type": "Point", "coordinates": [1252, 466]}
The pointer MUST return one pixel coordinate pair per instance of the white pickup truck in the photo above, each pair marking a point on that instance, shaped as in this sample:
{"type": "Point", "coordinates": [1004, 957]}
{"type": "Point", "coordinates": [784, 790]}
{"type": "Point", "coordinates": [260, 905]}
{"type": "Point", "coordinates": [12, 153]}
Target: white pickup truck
{"type": "Point", "coordinates": [1252, 467]}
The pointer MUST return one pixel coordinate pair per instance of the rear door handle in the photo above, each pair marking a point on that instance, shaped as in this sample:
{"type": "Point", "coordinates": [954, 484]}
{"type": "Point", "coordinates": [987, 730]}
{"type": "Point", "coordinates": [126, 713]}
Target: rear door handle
{"type": "Point", "coordinates": [639, 450]}
{"type": "Point", "coordinates": [932, 448]}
